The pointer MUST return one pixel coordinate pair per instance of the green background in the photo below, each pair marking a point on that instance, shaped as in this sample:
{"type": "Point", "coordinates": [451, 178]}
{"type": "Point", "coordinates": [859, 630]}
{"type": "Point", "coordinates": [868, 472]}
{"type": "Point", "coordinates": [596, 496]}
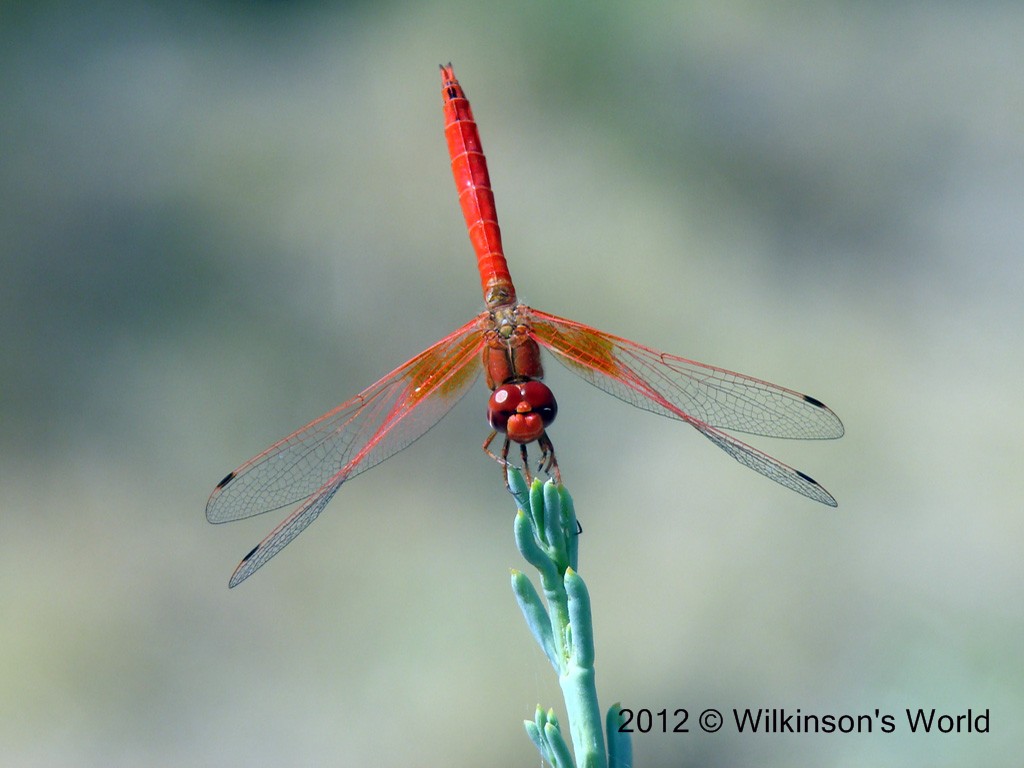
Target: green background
{"type": "Point", "coordinates": [220, 220]}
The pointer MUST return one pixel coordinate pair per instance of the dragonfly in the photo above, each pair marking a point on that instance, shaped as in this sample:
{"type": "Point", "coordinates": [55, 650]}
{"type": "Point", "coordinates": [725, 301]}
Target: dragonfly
{"type": "Point", "coordinates": [309, 466]}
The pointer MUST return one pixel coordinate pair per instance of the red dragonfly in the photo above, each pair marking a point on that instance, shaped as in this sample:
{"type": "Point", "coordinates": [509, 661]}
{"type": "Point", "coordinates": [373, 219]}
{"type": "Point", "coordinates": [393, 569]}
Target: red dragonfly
{"type": "Point", "coordinates": [310, 465]}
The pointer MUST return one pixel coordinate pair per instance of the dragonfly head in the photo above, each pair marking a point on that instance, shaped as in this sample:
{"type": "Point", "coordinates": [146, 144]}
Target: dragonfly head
{"type": "Point", "coordinates": [522, 411]}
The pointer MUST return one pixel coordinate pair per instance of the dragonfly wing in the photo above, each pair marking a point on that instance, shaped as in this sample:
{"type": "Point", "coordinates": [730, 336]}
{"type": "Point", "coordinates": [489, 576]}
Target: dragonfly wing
{"type": "Point", "coordinates": [767, 465]}
{"type": "Point", "coordinates": [312, 463]}
{"type": "Point", "coordinates": [709, 399]}
{"type": "Point", "coordinates": [683, 389]}
{"type": "Point", "coordinates": [281, 536]}
{"type": "Point", "coordinates": [357, 434]}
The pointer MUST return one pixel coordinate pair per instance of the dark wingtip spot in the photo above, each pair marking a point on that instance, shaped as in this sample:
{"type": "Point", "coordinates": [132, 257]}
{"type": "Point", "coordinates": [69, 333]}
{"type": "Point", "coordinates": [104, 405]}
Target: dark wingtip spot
{"type": "Point", "coordinates": [254, 549]}
{"type": "Point", "coordinates": [227, 479]}
{"type": "Point", "coordinates": [814, 401]}
{"type": "Point", "coordinates": [808, 478]}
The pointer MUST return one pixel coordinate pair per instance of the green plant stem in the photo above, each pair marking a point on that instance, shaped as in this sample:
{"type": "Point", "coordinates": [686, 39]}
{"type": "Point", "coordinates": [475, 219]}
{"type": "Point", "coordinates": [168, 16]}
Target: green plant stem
{"type": "Point", "coordinates": [546, 534]}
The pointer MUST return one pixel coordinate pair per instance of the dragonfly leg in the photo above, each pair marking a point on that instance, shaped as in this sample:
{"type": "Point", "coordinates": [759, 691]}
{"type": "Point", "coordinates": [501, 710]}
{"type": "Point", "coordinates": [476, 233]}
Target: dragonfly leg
{"type": "Point", "coordinates": [548, 463]}
{"type": "Point", "coordinates": [487, 445]}
{"type": "Point", "coordinates": [526, 461]}
{"type": "Point", "coordinates": [502, 458]}
{"type": "Point", "coordinates": [547, 457]}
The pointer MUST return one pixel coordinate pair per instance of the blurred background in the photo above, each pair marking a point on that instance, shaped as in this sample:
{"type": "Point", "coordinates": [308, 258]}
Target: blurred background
{"type": "Point", "coordinates": [220, 220]}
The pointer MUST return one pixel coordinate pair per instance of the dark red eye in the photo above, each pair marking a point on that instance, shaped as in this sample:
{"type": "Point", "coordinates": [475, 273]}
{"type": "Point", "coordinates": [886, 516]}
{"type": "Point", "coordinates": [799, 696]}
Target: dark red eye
{"type": "Point", "coordinates": [541, 400]}
{"type": "Point", "coordinates": [502, 404]}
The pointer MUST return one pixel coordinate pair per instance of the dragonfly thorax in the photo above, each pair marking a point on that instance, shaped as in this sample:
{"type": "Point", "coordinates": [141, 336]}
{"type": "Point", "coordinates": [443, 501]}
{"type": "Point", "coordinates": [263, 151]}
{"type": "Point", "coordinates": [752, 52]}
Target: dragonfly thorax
{"type": "Point", "coordinates": [510, 353]}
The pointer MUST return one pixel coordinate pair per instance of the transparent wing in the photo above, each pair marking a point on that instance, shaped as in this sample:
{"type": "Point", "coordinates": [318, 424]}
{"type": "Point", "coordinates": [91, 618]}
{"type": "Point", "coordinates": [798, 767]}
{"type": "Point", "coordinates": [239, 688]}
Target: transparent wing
{"type": "Point", "coordinates": [769, 466]}
{"type": "Point", "coordinates": [311, 464]}
{"type": "Point", "coordinates": [281, 536]}
{"type": "Point", "coordinates": [708, 398]}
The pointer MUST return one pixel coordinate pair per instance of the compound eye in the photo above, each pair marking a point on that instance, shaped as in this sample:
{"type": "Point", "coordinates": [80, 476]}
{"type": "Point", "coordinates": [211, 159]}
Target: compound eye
{"type": "Point", "coordinates": [502, 405]}
{"type": "Point", "coordinates": [541, 400]}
